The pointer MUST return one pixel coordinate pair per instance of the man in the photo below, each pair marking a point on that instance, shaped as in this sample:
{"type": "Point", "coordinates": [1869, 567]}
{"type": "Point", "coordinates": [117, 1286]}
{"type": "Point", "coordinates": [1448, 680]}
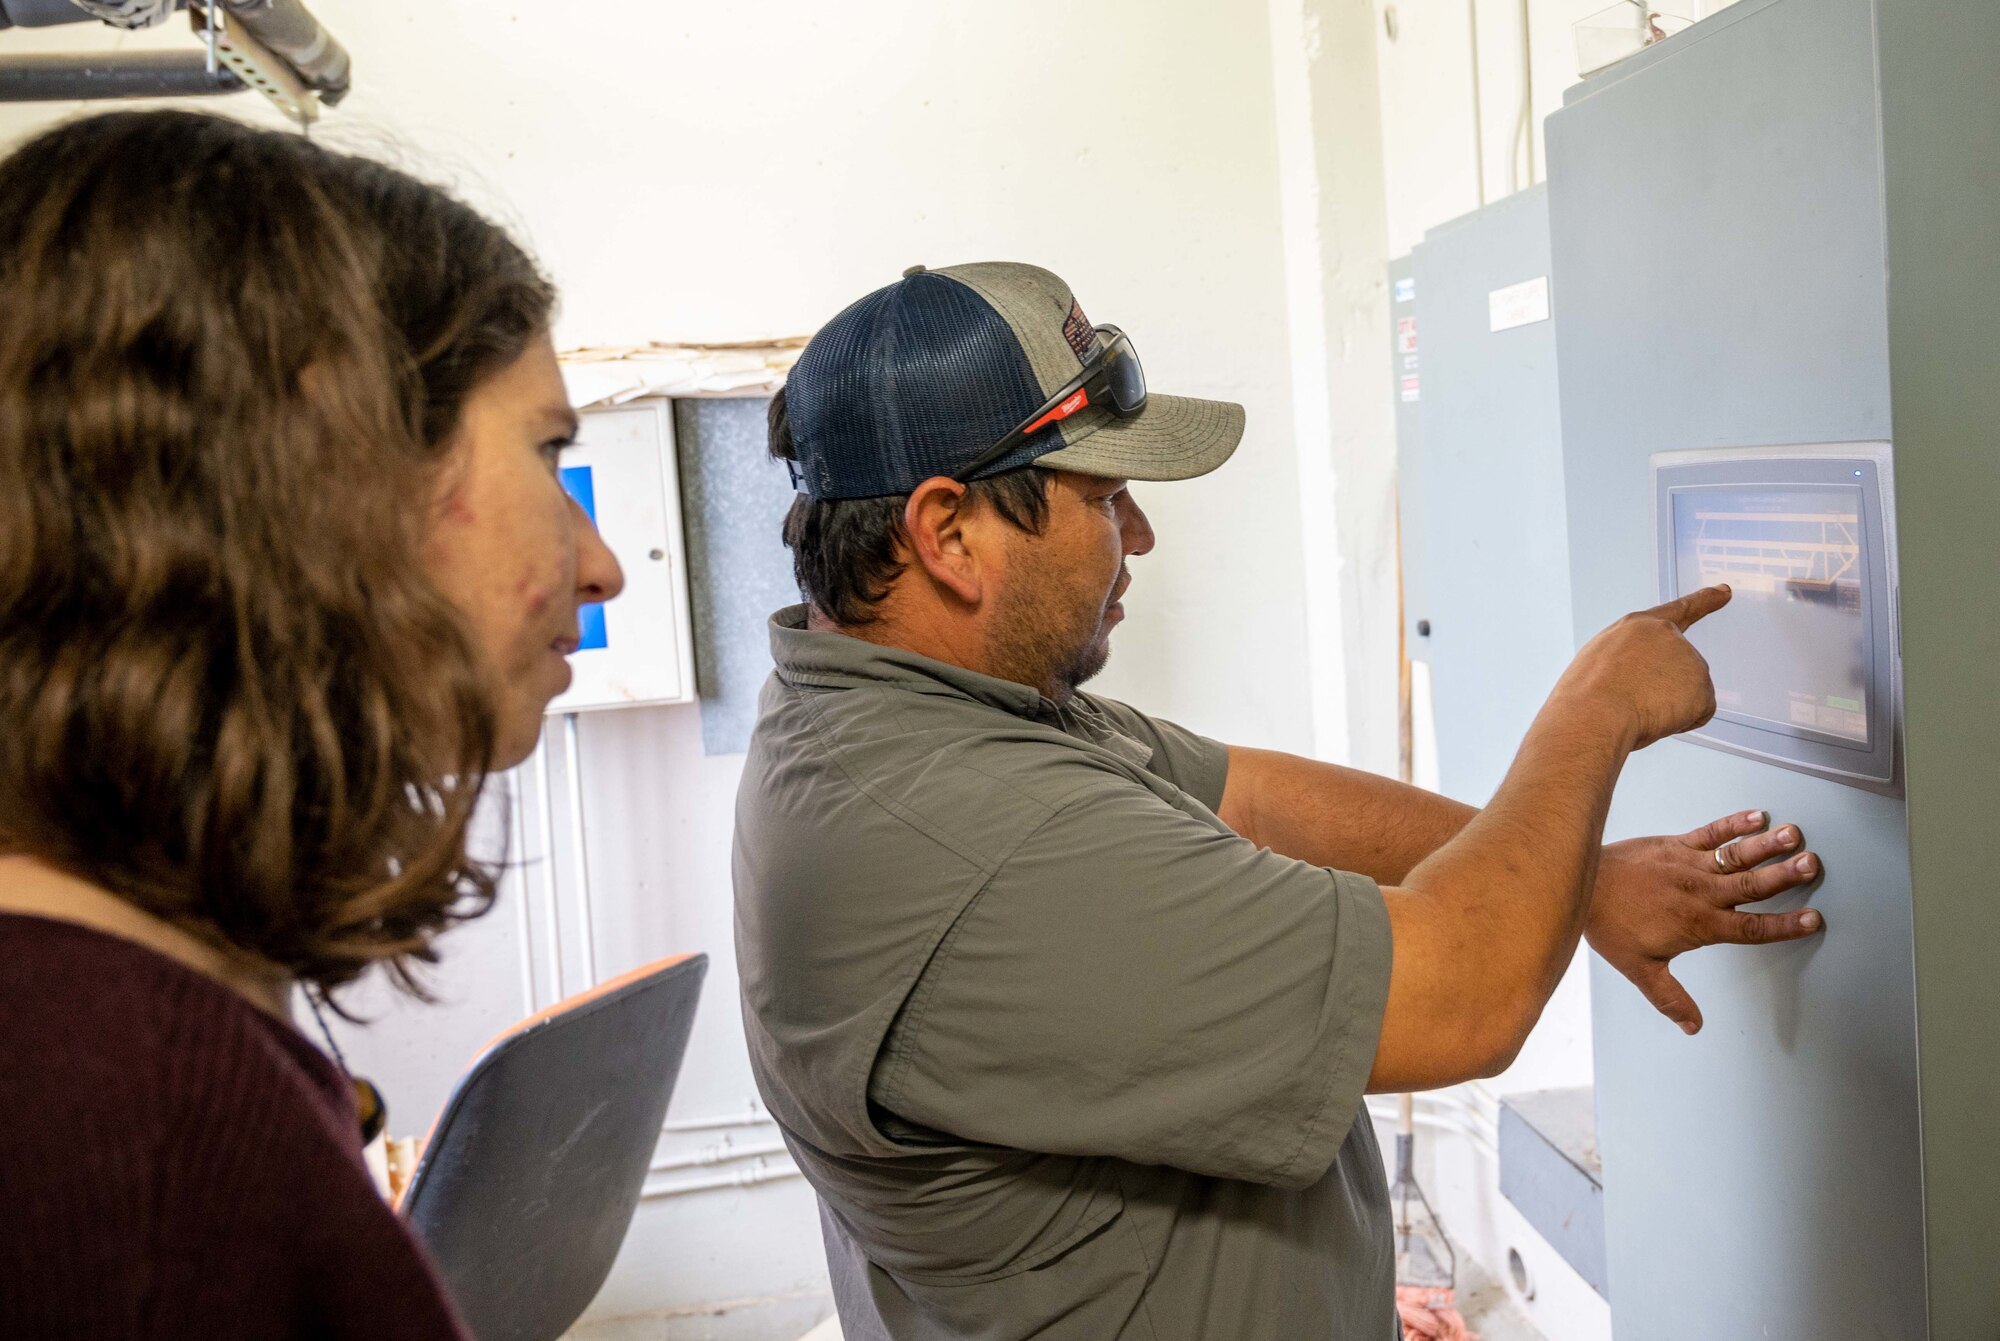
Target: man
{"type": "Point", "coordinates": [1066, 1012]}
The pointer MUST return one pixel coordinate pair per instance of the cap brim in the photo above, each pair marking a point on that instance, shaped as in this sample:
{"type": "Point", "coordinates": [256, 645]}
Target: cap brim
{"type": "Point", "coordinates": [1173, 438]}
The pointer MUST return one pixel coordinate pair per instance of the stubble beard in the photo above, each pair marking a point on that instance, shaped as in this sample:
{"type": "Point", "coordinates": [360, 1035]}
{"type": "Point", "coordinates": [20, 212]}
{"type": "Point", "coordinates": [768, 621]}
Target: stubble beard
{"type": "Point", "coordinates": [1031, 644]}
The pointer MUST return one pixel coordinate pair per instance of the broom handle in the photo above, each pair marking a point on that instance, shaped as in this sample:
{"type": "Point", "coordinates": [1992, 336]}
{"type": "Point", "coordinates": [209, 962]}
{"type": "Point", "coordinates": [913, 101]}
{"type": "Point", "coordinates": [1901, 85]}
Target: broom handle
{"type": "Point", "coordinates": [1406, 1142]}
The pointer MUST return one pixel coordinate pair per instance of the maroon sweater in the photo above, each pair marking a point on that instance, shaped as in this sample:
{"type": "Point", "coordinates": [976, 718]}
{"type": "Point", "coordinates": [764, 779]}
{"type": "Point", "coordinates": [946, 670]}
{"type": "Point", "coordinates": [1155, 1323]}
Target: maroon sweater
{"type": "Point", "coordinates": [175, 1162]}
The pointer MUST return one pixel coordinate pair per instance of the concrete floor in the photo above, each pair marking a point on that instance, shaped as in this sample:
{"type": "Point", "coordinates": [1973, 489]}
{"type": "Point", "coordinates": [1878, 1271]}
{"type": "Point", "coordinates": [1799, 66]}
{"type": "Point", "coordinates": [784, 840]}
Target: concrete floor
{"type": "Point", "coordinates": [1488, 1308]}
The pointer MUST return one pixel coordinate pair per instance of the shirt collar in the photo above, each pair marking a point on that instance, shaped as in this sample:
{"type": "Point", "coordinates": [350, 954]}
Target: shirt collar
{"type": "Point", "coordinates": [837, 660]}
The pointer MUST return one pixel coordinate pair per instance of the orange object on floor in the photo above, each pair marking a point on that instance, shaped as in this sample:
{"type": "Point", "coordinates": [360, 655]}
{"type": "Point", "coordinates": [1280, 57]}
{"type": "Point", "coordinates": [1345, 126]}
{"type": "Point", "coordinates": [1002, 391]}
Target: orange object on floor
{"type": "Point", "coordinates": [1431, 1315]}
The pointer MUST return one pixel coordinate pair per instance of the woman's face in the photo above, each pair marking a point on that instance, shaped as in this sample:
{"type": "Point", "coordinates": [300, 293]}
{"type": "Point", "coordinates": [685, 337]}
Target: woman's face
{"type": "Point", "coordinates": [510, 547]}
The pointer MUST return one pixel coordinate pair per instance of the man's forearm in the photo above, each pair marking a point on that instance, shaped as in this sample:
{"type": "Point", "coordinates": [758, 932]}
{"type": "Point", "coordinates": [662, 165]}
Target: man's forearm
{"type": "Point", "coordinates": [1485, 926]}
{"type": "Point", "coordinates": [1541, 833]}
{"type": "Point", "coordinates": [1337, 817]}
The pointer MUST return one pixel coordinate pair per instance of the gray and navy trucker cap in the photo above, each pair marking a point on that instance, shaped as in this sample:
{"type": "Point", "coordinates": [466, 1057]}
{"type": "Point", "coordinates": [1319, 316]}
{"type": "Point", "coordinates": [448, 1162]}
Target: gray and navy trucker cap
{"type": "Point", "coordinates": [917, 379]}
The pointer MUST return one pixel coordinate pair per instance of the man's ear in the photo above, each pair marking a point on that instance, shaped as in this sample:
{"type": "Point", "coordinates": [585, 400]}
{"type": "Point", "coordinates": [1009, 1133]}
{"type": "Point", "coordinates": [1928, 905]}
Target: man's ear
{"type": "Point", "coordinates": [934, 525]}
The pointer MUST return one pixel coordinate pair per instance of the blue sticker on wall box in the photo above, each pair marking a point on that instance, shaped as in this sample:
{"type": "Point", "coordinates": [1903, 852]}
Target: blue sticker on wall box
{"type": "Point", "coordinates": [577, 480]}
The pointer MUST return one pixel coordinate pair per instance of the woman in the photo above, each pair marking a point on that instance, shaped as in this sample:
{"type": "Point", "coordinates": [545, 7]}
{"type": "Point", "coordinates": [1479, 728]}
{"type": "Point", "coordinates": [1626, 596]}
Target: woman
{"type": "Point", "coordinates": [286, 572]}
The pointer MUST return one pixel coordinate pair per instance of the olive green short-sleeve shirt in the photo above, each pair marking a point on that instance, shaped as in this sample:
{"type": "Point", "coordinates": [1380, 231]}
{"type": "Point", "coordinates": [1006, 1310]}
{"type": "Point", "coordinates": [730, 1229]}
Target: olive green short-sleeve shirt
{"type": "Point", "coordinates": [1063, 1056]}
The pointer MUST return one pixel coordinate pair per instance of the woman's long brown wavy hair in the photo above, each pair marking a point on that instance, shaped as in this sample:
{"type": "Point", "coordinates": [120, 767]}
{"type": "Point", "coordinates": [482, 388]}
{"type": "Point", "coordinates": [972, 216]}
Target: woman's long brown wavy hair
{"type": "Point", "coordinates": [230, 363]}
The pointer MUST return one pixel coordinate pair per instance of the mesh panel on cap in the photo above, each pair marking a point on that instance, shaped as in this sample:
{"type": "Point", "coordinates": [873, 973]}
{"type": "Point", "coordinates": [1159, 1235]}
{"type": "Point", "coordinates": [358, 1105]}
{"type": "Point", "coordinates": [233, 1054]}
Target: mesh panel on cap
{"type": "Point", "coordinates": [912, 381]}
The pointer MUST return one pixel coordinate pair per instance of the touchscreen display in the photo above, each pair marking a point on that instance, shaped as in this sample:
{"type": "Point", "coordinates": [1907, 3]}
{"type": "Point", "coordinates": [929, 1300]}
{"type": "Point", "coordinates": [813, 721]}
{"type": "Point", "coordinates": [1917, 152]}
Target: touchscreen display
{"type": "Point", "coordinates": [1791, 651]}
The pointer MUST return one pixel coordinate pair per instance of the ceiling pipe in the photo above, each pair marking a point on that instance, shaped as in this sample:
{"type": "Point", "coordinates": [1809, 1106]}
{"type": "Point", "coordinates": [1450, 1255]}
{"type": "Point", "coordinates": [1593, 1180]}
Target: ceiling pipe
{"type": "Point", "coordinates": [131, 13]}
{"type": "Point", "coordinates": [288, 28]}
{"type": "Point", "coordinates": [137, 74]}
{"type": "Point", "coordinates": [40, 13]}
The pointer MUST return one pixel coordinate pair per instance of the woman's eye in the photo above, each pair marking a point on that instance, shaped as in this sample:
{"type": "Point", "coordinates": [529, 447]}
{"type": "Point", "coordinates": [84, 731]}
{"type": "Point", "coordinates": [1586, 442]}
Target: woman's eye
{"type": "Point", "coordinates": [552, 450]}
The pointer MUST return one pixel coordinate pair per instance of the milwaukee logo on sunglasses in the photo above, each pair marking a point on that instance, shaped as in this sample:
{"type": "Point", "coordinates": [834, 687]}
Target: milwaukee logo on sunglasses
{"type": "Point", "coordinates": [1062, 411]}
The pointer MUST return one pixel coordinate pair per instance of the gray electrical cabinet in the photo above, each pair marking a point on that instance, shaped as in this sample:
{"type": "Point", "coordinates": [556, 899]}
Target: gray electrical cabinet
{"type": "Point", "coordinates": [1486, 566]}
{"type": "Point", "coordinates": [1487, 533]}
{"type": "Point", "coordinates": [1778, 281]}
{"type": "Point", "coordinates": [1410, 498]}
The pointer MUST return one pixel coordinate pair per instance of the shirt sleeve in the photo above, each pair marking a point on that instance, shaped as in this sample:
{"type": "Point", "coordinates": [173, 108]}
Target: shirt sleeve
{"type": "Point", "coordinates": [1196, 764]}
{"type": "Point", "coordinates": [1138, 983]}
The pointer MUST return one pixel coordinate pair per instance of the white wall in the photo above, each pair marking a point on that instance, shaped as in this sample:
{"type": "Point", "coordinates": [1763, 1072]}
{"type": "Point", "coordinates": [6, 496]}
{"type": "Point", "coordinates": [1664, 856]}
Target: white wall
{"type": "Point", "coordinates": [745, 170]}
{"type": "Point", "coordinates": [1336, 252]}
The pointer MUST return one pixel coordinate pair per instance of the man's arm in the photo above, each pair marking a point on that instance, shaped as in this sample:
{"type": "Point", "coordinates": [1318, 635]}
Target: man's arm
{"type": "Point", "coordinates": [1653, 899]}
{"type": "Point", "coordinates": [1342, 818]}
{"type": "Point", "coordinates": [1484, 926]}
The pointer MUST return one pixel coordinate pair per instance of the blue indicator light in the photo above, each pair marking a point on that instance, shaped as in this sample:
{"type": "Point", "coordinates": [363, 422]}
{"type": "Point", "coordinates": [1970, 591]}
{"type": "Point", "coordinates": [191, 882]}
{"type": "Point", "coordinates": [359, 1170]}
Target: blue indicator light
{"type": "Point", "coordinates": [578, 482]}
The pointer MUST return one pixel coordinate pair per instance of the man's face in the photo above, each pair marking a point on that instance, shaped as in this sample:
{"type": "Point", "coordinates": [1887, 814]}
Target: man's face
{"type": "Point", "coordinates": [1051, 627]}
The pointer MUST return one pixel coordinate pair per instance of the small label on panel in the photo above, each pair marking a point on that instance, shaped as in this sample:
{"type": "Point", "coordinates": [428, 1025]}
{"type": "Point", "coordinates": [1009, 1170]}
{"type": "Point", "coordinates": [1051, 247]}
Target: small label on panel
{"type": "Point", "coordinates": [1406, 335]}
{"type": "Point", "coordinates": [1410, 388]}
{"type": "Point", "coordinates": [1406, 290]}
{"type": "Point", "coordinates": [1519, 304]}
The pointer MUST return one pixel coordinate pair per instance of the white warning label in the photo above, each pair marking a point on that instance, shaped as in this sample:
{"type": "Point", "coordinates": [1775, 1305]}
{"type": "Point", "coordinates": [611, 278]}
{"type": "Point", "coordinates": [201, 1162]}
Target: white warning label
{"type": "Point", "coordinates": [1519, 304]}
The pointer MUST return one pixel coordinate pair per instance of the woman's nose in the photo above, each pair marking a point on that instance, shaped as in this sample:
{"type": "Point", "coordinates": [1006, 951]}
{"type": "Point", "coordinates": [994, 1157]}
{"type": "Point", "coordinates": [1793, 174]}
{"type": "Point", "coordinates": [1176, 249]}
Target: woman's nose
{"type": "Point", "coordinates": [598, 575]}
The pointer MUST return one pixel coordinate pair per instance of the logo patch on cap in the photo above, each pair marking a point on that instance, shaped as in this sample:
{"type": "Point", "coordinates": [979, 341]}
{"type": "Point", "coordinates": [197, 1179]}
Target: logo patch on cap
{"type": "Point", "coordinates": [1082, 336]}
